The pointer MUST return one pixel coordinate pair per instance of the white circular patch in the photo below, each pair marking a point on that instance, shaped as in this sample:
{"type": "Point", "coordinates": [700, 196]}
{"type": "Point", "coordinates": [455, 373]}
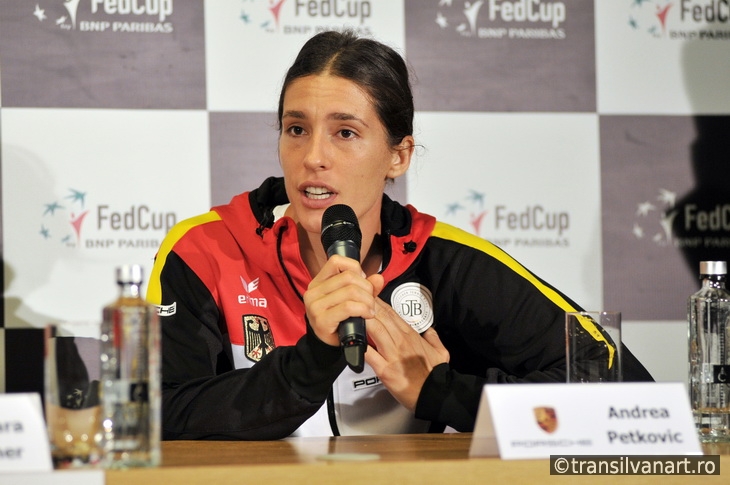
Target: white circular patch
{"type": "Point", "coordinates": [414, 303]}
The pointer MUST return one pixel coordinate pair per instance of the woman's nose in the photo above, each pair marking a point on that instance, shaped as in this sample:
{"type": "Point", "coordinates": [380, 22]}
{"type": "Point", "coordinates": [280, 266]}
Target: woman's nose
{"type": "Point", "coordinates": [316, 153]}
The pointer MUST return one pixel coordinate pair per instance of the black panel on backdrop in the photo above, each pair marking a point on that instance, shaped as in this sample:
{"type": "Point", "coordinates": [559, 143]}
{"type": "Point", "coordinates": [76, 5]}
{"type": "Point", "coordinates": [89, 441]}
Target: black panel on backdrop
{"type": "Point", "coordinates": [665, 207]}
{"type": "Point", "coordinates": [505, 62]}
{"type": "Point", "coordinates": [24, 360]}
{"type": "Point", "coordinates": [99, 55]}
{"type": "Point", "coordinates": [701, 218]}
{"type": "Point", "coordinates": [645, 168]}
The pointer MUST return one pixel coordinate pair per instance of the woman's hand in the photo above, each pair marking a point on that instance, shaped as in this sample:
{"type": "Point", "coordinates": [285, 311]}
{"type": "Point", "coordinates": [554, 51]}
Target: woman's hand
{"type": "Point", "coordinates": [339, 291]}
{"type": "Point", "coordinates": [403, 359]}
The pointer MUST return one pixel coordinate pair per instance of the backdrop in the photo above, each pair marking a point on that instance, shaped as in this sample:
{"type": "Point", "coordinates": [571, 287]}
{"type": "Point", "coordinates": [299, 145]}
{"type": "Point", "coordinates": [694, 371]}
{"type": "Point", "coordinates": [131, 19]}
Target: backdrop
{"type": "Point", "coordinates": [587, 138]}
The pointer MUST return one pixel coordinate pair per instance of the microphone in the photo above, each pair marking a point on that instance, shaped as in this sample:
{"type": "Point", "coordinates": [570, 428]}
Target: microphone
{"type": "Point", "coordinates": [341, 235]}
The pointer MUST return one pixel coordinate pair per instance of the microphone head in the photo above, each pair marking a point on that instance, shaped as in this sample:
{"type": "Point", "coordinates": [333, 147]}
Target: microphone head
{"type": "Point", "coordinates": [339, 223]}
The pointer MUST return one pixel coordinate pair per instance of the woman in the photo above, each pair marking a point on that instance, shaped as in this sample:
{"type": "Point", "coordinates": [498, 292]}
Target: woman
{"type": "Point", "coordinates": [251, 304]}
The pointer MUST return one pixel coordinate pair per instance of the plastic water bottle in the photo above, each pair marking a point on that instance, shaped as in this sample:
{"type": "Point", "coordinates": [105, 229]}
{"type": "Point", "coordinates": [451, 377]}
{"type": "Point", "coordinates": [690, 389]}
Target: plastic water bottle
{"type": "Point", "coordinates": [709, 354]}
{"type": "Point", "coordinates": [130, 366]}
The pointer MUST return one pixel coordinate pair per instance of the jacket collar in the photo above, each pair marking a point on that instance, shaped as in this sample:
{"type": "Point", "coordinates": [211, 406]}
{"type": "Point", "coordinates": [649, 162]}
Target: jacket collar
{"type": "Point", "coordinates": [395, 219]}
{"type": "Point", "coordinates": [250, 218]}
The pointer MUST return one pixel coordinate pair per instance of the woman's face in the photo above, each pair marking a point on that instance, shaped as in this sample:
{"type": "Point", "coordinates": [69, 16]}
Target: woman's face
{"type": "Point", "coordinates": [334, 149]}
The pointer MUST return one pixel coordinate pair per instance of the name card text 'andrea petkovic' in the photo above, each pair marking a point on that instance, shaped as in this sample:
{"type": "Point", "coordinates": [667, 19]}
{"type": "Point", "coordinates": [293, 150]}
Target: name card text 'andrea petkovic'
{"type": "Point", "coordinates": [540, 420]}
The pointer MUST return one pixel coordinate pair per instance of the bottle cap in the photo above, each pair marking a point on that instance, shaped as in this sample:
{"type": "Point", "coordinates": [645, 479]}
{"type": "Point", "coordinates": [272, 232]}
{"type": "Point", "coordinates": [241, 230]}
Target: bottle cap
{"type": "Point", "coordinates": [713, 267]}
{"type": "Point", "coordinates": [129, 273]}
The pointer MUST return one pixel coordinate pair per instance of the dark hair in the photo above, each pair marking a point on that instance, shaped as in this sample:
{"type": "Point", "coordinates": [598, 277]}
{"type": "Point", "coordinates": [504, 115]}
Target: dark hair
{"type": "Point", "coordinates": [375, 67]}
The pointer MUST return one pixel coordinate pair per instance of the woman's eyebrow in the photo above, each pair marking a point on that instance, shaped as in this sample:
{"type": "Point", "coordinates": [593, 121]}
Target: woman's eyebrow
{"type": "Point", "coordinates": [334, 116]}
{"type": "Point", "coordinates": [294, 114]}
{"type": "Point", "coordinates": [347, 117]}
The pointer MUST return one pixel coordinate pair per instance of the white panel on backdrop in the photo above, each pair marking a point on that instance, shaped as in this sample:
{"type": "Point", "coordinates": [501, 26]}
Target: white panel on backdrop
{"type": "Point", "coordinates": [661, 346]}
{"type": "Point", "coordinates": [662, 56]}
{"type": "Point", "coordinates": [251, 44]}
{"type": "Point", "coordinates": [86, 190]}
{"type": "Point", "coordinates": [527, 182]}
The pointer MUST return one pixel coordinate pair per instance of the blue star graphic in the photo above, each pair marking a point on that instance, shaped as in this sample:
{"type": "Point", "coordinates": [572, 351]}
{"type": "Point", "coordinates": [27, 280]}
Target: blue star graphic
{"type": "Point", "coordinates": [52, 208]}
{"type": "Point", "coordinates": [77, 196]}
{"type": "Point", "coordinates": [452, 208]}
{"type": "Point", "coordinates": [477, 197]}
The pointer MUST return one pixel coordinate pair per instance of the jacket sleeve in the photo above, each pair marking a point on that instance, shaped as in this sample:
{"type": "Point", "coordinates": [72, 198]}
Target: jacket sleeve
{"type": "Point", "coordinates": [204, 397]}
{"type": "Point", "coordinates": [501, 324]}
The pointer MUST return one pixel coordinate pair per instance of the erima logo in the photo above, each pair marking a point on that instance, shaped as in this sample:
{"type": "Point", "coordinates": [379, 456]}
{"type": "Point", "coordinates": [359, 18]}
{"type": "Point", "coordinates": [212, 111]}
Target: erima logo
{"type": "Point", "coordinates": [166, 310]}
{"type": "Point", "coordinates": [247, 299]}
{"type": "Point", "coordinates": [249, 287]}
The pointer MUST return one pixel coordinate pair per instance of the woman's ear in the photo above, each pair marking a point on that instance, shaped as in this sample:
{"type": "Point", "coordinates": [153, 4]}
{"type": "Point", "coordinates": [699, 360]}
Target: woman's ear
{"type": "Point", "coordinates": [401, 160]}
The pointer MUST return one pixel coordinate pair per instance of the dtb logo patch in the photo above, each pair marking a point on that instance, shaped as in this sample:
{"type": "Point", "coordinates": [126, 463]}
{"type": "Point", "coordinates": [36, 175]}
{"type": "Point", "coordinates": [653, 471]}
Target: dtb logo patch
{"type": "Point", "coordinates": [259, 340]}
{"type": "Point", "coordinates": [414, 303]}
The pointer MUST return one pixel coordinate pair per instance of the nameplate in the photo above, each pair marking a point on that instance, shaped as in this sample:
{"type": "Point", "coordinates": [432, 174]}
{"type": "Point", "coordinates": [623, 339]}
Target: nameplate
{"type": "Point", "coordinates": [523, 421]}
{"type": "Point", "coordinates": [23, 438]}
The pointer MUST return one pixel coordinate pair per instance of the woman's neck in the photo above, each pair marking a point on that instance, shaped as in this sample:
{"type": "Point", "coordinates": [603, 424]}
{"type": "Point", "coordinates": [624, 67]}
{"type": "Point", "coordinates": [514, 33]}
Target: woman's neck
{"type": "Point", "coordinates": [315, 256]}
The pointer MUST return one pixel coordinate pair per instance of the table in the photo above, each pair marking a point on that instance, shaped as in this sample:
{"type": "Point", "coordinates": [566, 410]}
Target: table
{"type": "Point", "coordinates": [397, 459]}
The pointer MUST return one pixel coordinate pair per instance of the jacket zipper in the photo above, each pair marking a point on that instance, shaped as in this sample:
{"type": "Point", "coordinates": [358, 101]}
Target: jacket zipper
{"type": "Point", "coordinates": [330, 397]}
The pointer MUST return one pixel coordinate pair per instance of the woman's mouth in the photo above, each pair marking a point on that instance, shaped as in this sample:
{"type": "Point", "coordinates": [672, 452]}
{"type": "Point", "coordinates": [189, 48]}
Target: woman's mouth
{"type": "Point", "coordinates": [317, 193]}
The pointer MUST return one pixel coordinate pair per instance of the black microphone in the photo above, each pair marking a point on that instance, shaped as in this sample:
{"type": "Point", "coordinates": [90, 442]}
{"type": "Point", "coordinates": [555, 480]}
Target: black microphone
{"type": "Point", "coordinates": [341, 235]}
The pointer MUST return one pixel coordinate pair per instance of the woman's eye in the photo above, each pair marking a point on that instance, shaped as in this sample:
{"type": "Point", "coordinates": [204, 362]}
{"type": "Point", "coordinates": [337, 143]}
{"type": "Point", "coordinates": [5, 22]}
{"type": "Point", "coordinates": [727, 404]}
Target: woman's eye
{"type": "Point", "coordinates": [346, 134]}
{"type": "Point", "coordinates": [296, 130]}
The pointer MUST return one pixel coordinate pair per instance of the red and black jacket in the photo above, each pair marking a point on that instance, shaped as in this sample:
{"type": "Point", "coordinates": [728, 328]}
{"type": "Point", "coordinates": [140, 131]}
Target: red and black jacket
{"type": "Point", "coordinates": [238, 361]}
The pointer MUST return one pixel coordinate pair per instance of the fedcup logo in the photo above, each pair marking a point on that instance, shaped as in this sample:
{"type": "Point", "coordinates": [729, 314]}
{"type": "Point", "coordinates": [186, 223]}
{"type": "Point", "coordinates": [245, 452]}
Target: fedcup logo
{"type": "Point", "coordinates": [680, 19]}
{"type": "Point", "coordinates": [654, 218]}
{"type": "Point", "coordinates": [72, 221]}
{"type": "Point", "coordinates": [546, 418]}
{"type": "Point", "coordinates": [527, 19]}
{"type": "Point", "coordinates": [267, 15]}
{"type": "Point", "coordinates": [528, 225]}
{"type": "Point", "coordinates": [650, 16]}
{"type": "Point", "coordinates": [130, 16]}
{"type": "Point", "coordinates": [62, 219]}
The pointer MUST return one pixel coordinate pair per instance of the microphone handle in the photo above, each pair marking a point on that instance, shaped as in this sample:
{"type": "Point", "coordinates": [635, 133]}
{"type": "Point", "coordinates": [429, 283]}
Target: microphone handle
{"type": "Point", "coordinates": [353, 337]}
{"type": "Point", "coordinates": [344, 248]}
{"type": "Point", "coordinates": [354, 342]}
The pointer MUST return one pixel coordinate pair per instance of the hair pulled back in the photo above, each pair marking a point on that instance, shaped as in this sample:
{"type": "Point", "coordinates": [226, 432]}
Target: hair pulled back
{"type": "Point", "coordinates": [375, 67]}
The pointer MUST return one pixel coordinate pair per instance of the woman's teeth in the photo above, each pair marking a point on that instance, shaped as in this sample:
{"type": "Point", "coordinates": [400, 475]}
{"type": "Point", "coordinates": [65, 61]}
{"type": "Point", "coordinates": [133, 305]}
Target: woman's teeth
{"type": "Point", "coordinates": [317, 193]}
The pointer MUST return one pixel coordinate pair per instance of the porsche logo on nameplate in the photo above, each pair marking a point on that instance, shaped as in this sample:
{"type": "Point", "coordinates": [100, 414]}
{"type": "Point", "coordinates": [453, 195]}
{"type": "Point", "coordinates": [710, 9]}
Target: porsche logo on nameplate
{"type": "Point", "coordinates": [546, 418]}
{"type": "Point", "coordinates": [259, 340]}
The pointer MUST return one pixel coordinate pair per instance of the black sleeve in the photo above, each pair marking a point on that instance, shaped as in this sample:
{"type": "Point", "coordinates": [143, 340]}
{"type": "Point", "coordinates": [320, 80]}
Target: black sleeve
{"type": "Point", "coordinates": [499, 327]}
{"type": "Point", "coordinates": [204, 397]}
{"type": "Point", "coordinates": [452, 398]}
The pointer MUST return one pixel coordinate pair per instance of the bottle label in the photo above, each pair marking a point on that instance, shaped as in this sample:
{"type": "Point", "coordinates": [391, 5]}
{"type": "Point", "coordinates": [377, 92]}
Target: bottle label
{"type": "Point", "coordinates": [721, 374]}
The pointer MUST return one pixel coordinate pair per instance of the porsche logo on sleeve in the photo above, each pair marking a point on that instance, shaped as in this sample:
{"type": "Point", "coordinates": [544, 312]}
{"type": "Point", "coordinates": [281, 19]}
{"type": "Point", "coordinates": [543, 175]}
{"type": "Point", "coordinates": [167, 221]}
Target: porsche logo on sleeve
{"type": "Point", "coordinates": [259, 340]}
